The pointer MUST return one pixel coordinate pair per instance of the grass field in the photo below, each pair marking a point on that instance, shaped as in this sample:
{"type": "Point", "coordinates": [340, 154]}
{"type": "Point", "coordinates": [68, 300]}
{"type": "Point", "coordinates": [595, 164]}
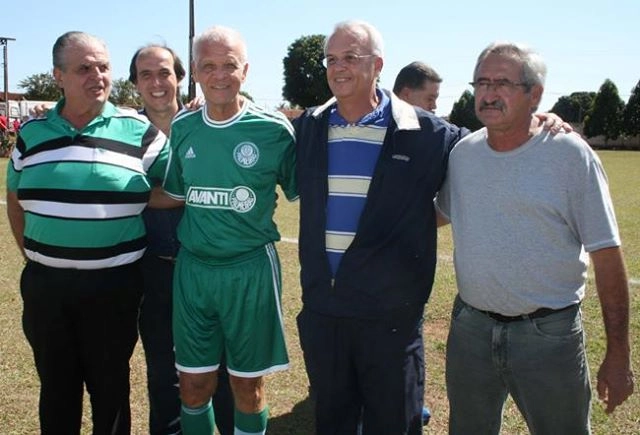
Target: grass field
{"type": "Point", "coordinates": [287, 392]}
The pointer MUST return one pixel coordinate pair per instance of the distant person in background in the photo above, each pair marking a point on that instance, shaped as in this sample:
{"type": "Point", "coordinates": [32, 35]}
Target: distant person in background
{"type": "Point", "coordinates": [3, 125]}
{"type": "Point", "coordinates": [76, 187]}
{"type": "Point", "coordinates": [418, 84]}
{"type": "Point", "coordinates": [528, 210]}
{"type": "Point", "coordinates": [156, 71]}
{"type": "Point", "coordinates": [16, 125]}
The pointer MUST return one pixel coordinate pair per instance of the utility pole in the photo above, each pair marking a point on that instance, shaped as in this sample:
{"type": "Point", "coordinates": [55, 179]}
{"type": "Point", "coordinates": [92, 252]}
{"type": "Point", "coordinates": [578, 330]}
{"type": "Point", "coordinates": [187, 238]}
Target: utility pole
{"type": "Point", "coordinates": [4, 42]}
{"type": "Point", "coordinates": [192, 84]}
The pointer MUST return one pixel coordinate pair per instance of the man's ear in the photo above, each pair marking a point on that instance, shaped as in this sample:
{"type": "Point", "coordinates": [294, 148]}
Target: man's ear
{"type": "Point", "coordinates": [245, 69]}
{"type": "Point", "coordinates": [536, 95]}
{"type": "Point", "coordinates": [194, 73]}
{"type": "Point", "coordinates": [403, 94]}
{"type": "Point", "coordinates": [57, 76]}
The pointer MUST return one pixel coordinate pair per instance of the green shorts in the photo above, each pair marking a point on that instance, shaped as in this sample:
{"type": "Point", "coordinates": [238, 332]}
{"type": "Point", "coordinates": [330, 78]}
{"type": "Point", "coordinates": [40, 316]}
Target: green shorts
{"type": "Point", "coordinates": [232, 308]}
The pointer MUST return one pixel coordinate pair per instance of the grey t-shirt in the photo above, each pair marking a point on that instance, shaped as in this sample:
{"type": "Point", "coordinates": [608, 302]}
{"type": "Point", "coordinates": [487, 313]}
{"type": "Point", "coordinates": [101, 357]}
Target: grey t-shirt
{"type": "Point", "coordinates": [523, 221]}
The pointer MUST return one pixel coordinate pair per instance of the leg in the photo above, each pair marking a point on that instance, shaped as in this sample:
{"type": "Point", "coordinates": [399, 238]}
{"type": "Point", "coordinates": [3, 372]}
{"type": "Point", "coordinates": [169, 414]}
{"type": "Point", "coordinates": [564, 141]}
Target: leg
{"type": "Point", "coordinates": [198, 342]}
{"type": "Point", "coordinates": [550, 382]}
{"type": "Point", "coordinates": [108, 334]}
{"type": "Point", "coordinates": [251, 411]}
{"type": "Point", "coordinates": [223, 405]}
{"type": "Point", "coordinates": [157, 339]}
{"type": "Point", "coordinates": [248, 394]}
{"type": "Point", "coordinates": [390, 366]}
{"type": "Point", "coordinates": [196, 390]}
{"type": "Point", "coordinates": [50, 330]}
{"type": "Point", "coordinates": [475, 388]}
{"type": "Point", "coordinates": [325, 345]}
{"type": "Point", "coordinates": [254, 335]}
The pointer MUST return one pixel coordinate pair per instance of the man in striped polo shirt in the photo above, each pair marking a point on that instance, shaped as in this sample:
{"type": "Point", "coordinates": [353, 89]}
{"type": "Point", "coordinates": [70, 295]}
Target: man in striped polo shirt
{"type": "Point", "coordinates": [76, 186]}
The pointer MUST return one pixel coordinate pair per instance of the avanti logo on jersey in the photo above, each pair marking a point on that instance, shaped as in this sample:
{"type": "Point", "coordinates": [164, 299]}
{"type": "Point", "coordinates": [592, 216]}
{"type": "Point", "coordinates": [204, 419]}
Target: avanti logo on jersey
{"type": "Point", "coordinates": [240, 199]}
{"type": "Point", "coordinates": [246, 154]}
{"type": "Point", "coordinates": [190, 154]}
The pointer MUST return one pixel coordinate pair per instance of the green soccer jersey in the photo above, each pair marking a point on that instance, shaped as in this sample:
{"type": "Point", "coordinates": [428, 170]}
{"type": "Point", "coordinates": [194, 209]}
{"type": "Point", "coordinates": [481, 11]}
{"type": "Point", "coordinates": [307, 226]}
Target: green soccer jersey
{"type": "Point", "coordinates": [83, 191]}
{"type": "Point", "coordinates": [227, 172]}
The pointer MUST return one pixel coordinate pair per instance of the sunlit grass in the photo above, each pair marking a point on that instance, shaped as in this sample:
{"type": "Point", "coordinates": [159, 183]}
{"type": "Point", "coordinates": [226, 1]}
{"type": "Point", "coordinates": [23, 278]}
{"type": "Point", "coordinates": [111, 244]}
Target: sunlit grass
{"type": "Point", "coordinates": [290, 412]}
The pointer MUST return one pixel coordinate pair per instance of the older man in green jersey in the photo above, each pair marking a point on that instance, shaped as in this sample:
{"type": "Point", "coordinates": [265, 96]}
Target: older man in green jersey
{"type": "Point", "coordinates": [76, 186]}
{"type": "Point", "coordinates": [226, 160]}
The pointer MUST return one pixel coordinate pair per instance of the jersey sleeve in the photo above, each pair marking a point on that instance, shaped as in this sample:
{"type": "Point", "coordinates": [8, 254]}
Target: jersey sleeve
{"type": "Point", "coordinates": [173, 184]}
{"type": "Point", "coordinates": [156, 155]}
{"type": "Point", "coordinates": [287, 175]}
{"type": "Point", "coordinates": [14, 168]}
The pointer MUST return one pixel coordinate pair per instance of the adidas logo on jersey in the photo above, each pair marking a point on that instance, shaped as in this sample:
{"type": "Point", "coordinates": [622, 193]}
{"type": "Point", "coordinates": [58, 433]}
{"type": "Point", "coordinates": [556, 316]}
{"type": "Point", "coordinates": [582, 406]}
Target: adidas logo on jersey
{"type": "Point", "coordinates": [190, 154]}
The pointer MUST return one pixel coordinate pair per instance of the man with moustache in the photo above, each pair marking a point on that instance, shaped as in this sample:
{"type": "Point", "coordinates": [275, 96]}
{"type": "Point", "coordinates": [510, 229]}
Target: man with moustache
{"type": "Point", "coordinates": [514, 191]}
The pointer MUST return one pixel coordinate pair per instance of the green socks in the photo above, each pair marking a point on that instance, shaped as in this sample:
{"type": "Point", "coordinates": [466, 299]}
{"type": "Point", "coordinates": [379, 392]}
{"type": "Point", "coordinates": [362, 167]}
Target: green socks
{"type": "Point", "coordinates": [197, 421]}
{"type": "Point", "coordinates": [251, 424]}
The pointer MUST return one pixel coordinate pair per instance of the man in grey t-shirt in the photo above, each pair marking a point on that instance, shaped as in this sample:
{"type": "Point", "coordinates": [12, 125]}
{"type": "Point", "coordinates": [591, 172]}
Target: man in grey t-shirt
{"type": "Point", "coordinates": [527, 210]}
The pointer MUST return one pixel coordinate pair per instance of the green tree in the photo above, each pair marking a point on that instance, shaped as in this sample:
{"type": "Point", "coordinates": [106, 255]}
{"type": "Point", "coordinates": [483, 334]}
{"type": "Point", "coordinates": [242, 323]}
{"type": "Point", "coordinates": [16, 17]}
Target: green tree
{"type": "Point", "coordinates": [123, 93]}
{"type": "Point", "coordinates": [574, 108]}
{"type": "Point", "coordinates": [605, 115]}
{"type": "Point", "coordinates": [631, 116]}
{"type": "Point", "coordinates": [305, 79]}
{"type": "Point", "coordinates": [40, 87]}
{"type": "Point", "coordinates": [463, 112]}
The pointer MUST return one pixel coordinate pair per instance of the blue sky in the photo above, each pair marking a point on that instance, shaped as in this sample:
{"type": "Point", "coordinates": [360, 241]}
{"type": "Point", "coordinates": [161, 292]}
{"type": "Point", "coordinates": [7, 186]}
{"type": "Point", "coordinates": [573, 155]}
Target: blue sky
{"type": "Point", "coordinates": [583, 42]}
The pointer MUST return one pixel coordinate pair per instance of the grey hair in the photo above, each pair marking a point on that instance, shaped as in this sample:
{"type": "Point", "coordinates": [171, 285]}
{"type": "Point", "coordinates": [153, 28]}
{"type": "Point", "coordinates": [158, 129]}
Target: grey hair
{"type": "Point", "coordinates": [367, 33]}
{"type": "Point", "coordinates": [72, 38]}
{"type": "Point", "coordinates": [220, 34]}
{"type": "Point", "coordinates": [534, 70]}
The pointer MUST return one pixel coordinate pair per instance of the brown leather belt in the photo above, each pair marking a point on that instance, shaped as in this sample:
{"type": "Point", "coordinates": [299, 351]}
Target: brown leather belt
{"type": "Point", "coordinates": [540, 312]}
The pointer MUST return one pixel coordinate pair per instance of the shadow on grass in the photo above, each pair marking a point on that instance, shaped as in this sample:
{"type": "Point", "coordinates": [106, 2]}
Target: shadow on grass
{"type": "Point", "coordinates": [300, 421]}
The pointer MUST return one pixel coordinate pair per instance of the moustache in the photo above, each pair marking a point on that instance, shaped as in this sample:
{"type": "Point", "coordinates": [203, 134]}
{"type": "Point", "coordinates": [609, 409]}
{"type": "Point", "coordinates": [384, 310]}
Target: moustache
{"type": "Point", "coordinates": [492, 105]}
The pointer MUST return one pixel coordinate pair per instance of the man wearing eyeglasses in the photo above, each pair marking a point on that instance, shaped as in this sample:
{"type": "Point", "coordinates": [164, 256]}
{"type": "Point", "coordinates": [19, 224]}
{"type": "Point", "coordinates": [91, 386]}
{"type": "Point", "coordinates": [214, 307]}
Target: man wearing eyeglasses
{"type": "Point", "coordinates": [516, 192]}
{"type": "Point", "coordinates": [368, 167]}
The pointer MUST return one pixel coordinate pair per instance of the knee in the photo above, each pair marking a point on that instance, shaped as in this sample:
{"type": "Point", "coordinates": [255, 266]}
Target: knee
{"type": "Point", "coordinates": [196, 389]}
{"type": "Point", "coordinates": [248, 394]}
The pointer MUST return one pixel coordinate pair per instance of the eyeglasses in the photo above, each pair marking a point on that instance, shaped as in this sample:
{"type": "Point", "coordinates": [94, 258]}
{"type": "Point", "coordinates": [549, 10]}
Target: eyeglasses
{"type": "Point", "coordinates": [500, 86]}
{"type": "Point", "coordinates": [349, 59]}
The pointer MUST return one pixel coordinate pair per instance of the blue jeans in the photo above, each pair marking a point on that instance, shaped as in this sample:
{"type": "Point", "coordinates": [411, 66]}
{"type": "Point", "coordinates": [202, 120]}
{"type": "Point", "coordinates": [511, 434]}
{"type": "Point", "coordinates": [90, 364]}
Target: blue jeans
{"type": "Point", "coordinates": [541, 362]}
